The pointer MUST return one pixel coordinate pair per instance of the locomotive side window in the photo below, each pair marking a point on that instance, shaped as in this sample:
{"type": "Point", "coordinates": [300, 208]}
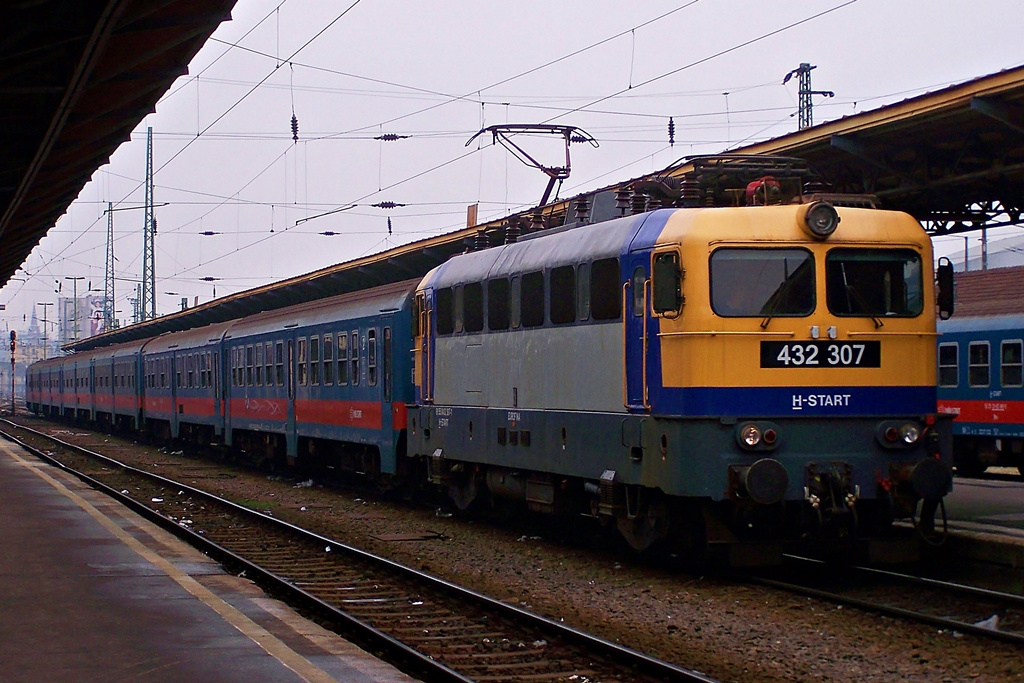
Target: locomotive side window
{"type": "Point", "coordinates": [328, 360]}
{"type": "Point", "coordinates": [353, 355]}
{"type": "Point", "coordinates": [498, 304]}
{"type": "Point", "coordinates": [874, 282]}
{"type": "Point", "coordinates": [444, 304]}
{"type": "Point", "coordinates": [977, 364]}
{"type": "Point", "coordinates": [1012, 363]}
{"type": "Point", "coordinates": [749, 282]}
{"type": "Point", "coordinates": [605, 290]}
{"type": "Point", "coordinates": [314, 360]}
{"type": "Point", "coordinates": [342, 358]}
{"type": "Point", "coordinates": [302, 369]}
{"type": "Point", "coordinates": [949, 364]}
{"type": "Point", "coordinates": [371, 357]}
{"type": "Point", "coordinates": [460, 306]}
{"type": "Point", "coordinates": [473, 299]}
{"type": "Point", "coordinates": [563, 295]}
{"type": "Point", "coordinates": [638, 286]}
{"type": "Point", "coordinates": [667, 283]}
{"type": "Point", "coordinates": [515, 299]}
{"type": "Point", "coordinates": [583, 291]}
{"type": "Point", "coordinates": [531, 300]}
{"type": "Point", "coordinates": [279, 362]}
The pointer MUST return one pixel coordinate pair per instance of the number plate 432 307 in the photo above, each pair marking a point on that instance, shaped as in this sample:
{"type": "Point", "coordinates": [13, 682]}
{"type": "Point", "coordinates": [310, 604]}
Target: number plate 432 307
{"type": "Point", "coordinates": [818, 354]}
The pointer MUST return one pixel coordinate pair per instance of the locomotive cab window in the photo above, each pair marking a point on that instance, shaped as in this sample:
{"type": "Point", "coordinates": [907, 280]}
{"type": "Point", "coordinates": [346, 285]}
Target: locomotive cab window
{"type": "Point", "coordinates": [748, 282]}
{"type": "Point", "coordinates": [667, 283]}
{"type": "Point", "coordinates": [978, 364]}
{"type": "Point", "coordinates": [1011, 363]}
{"type": "Point", "coordinates": [949, 364]}
{"type": "Point", "coordinates": [639, 286]}
{"type": "Point", "coordinates": [874, 282]}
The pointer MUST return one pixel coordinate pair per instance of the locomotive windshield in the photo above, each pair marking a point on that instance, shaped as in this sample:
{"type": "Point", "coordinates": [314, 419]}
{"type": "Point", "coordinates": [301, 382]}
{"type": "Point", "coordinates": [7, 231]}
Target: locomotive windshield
{"type": "Point", "coordinates": [874, 282]}
{"type": "Point", "coordinates": [760, 282]}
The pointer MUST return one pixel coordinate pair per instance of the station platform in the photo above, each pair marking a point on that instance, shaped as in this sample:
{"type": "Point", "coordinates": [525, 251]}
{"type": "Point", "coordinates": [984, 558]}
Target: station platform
{"type": "Point", "coordinates": [90, 591]}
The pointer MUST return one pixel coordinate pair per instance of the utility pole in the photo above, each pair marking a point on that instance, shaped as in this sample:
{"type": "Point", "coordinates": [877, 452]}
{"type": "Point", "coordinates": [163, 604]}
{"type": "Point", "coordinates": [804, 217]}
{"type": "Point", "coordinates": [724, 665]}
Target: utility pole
{"type": "Point", "coordinates": [44, 304]}
{"type": "Point", "coordinates": [806, 105]}
{"type": "Point", "coordinates": [147, 306]}
{"type": "Point", "coordinates": [108, 279]}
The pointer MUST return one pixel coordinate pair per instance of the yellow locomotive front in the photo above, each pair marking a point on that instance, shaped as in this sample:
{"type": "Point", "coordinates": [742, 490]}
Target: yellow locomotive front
{"type": "Point", "coordinates": [790, 365]}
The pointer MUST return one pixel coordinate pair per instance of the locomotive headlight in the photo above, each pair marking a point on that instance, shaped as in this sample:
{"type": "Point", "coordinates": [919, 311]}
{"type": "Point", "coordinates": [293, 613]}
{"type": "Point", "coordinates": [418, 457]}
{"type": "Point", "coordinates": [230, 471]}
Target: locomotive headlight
{"type": "Point", "coordinates": [751, 435]}
{"type": "Point", "coordinates": [910, 433]}
{"type": "Point", "coordinates": [821, 219]}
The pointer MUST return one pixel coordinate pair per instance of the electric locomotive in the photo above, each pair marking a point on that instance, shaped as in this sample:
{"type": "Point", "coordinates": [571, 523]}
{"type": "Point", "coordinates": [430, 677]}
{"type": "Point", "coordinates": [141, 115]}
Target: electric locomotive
{"type": "Point", "coordinates": [753, 366]}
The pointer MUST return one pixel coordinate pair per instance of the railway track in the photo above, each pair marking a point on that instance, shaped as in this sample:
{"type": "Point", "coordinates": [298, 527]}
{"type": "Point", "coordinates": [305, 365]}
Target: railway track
{"type": "Point", "coordinates": [430, 628]}
{"type": "Point", "coordinates": [951, 606]}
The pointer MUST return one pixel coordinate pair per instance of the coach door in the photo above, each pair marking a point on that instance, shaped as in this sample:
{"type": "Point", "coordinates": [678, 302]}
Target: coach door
{"type": "Point", "coordinates": [635, 293]}
{"type": "Point", "coordinates": [422, 361]}
{"type": "Point", "coordinates": [291, 438]}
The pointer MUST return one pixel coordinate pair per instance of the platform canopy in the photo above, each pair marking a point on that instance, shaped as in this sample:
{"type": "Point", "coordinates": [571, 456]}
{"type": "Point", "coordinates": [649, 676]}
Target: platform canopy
{"type": "Point", "coordinates": [76, 78]}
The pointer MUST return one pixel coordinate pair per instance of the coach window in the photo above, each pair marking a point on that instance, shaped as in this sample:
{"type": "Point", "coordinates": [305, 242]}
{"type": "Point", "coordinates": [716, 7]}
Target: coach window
{"type": "Point", "coordinates": [605, 290]}
{"type": "Point", "coordinates": [353, 355]}
{"type": "Point", "coordinates": [473, 299]}
{"type": "Point", "coordinates": [386, 362]}
{"type": "Point", "coordinates": [268, 348]}
{"type": "Point", "coordinates": [177, 371]}
{"type": "Point", "coordinates": [460, 304]}
{"type": "Point", "coordinates": [515, 300]}
{"type": "Point", "coordinates": [531, 300]}
{"type": "Point", "coordinates": [371, 357]}
{"type": "Point", "coordinates": [163, 373]}
{"type": "Point", "coordinates": [563, 295]}
{"type": "Point", "coordinates": [302, 369]}
{"type": "Point", "coordinates": [342, 359]}
{"type": "Point", "coordinates": [949, 364]}
{"type": "Point", "coordinates": [328, 360]}
{"type": "Point", "coordinates": [314, 360]}
{"type": "Point", "coordinates": [444, 304]}
{"type": "Point", "coordinates": [747, 282]}
{"type": "Point", "coordinates": [977, 364]}
{"type": "Point", "coordinates": [249, 359]}
{"type": "Point", "coordinates": [190, 370]}
{"type": "Point", "coordinates": [874, 282]}
{"type": "Point", "coordinates": [279, 362]}
{"type": "Point", "coordinates": [497, 304]}
{"type": "Point", "coordinates": [259, 365]}
{"type": "Point", "coordinates": [1011, 363]}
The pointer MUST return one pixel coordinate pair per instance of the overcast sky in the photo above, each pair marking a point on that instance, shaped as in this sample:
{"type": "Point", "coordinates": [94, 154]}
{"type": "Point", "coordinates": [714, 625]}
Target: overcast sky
{"type": "Point", "coordinates": [438, 71]}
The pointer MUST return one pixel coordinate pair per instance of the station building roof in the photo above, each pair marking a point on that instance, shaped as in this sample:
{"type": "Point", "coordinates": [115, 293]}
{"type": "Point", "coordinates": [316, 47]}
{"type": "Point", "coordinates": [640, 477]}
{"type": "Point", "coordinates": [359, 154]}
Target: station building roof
{"type": "Point", "coordinates": [75, 79]}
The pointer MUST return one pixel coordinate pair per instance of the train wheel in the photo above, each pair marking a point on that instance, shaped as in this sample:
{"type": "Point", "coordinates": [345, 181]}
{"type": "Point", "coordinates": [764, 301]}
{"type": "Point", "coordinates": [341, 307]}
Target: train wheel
{"type": "Point", "coordinates": [968, 465]}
